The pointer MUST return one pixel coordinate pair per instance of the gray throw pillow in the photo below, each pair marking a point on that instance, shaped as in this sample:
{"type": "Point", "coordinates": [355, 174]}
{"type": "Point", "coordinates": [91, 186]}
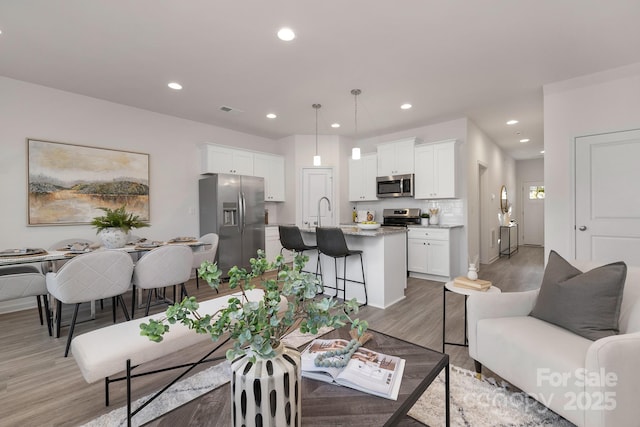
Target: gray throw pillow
{"type": "Point", "coordinates": [587, 304]}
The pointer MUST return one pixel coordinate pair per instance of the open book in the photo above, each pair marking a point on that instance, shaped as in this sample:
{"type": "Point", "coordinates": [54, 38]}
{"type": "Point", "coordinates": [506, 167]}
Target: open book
{"type": "Point", "coordinates": [367, 371]}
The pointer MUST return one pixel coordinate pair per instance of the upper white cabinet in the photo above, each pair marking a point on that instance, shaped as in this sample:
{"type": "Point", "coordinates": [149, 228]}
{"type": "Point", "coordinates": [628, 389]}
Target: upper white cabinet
{"type": "Point", "coordinates": [221, 159]}
{"type": "Point", "coordinates": [362, 178]}
{"type": "Point", "coordinates": [271, 168]}
{"type": "Point", "coordinates": [218, 159]}
{"type": "Point", "coordinates": [396, 158]}
{"type": "Point", "coordinates": [435, 170]}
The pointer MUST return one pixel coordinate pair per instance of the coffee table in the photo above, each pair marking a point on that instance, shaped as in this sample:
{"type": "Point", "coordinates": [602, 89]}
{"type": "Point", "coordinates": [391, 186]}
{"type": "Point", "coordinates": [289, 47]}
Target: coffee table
{"type": "Point", "coordinates": [325, 404]}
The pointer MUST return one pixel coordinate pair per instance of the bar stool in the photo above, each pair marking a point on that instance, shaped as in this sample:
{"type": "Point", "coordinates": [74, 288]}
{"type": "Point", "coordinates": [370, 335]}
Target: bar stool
{"type": "Point", "coordinates": [291, 240]}
{"type": "Point", "coordinates": [331, 242]}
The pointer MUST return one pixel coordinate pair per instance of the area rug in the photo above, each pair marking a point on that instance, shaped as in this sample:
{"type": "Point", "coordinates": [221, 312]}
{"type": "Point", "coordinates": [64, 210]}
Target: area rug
{"type": "Point", "coordinates": [481, 403]}
{"type": "Point", "coordinates": [474, 403]}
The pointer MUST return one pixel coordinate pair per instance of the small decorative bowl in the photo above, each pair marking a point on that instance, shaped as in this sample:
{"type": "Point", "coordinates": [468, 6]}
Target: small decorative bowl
{"type": "Point", "coordinates": [368, 226]}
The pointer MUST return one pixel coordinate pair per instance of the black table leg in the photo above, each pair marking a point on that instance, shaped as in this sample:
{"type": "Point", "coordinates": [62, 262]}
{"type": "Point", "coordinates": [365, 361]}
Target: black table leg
{"type": "Point", "coordinates": [446, 396]}
{"type": "Point", "coordinates": [465, 342]}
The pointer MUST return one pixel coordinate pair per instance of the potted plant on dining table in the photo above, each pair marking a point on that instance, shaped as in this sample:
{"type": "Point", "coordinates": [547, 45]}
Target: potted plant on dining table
{"type": "Point", "coordinates": [113, 227]}
{"type": "Point", "coordinates": [266, 374]}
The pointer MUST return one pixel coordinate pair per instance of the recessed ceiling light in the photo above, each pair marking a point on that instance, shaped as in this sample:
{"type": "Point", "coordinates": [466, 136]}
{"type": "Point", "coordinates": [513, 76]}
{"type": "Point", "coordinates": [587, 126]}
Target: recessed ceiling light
{"type": "Point", "coordinates": [525, 140]}
{"type": "Point", "coordinates": [286, 34]}
{"type": "Point", "coordinates": [175, 86]}
{"type": "Point", "coordinates": [405, 106]}
{"type": "Point", "coordinates": [271, 116]}
{"type": "Point", "coordinates": [512, 122]}
{"type": "Point", "coordinates": [335, 125]}
{"type": "Point", "coordinates": [542, 152]}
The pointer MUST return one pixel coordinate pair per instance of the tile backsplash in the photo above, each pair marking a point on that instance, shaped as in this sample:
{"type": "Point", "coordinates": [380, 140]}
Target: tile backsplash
{"type": "Point", "coordinates": [451, 210]}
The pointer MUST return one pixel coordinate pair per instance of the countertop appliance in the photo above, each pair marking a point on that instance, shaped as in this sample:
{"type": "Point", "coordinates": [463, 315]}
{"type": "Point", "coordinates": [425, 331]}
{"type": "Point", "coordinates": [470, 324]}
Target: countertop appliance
{"type": "Point", "coordinates": [395, 186]}
{"type": "Point", "coordinates": [233, 207]}
{"type": "Point", "coordinates": [401, 217]}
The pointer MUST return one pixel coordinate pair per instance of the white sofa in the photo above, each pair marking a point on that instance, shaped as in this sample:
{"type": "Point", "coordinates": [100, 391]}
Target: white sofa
{"type": "Point", "coordinates": [590, 383]}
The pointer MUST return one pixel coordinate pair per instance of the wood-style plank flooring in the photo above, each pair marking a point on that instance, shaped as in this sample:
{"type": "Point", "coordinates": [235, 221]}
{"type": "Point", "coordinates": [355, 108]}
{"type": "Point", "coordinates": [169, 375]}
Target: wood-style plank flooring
{"type": "Point", "coordinates": [39, 387]}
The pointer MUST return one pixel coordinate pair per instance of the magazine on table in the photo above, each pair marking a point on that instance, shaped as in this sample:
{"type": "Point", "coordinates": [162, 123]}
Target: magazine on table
{"type": "Point", "coordinates": [368, 371]}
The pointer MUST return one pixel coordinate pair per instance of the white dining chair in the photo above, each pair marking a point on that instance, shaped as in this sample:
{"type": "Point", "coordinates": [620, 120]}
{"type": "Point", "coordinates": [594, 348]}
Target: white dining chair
{"type": "Point", "coordinates": [23, 281]}
{"type": "Point", "coordinates": [161, 267]}
{"type": "Point", "coordinates": [207, 254]}
{"type": "Point", "coordinates": [89, 277]}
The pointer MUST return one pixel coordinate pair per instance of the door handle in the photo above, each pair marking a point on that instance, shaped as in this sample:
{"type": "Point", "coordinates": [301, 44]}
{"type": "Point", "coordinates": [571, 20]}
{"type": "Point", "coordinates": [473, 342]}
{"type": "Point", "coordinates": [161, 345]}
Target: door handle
{"type": "Point", "coordinates": [582, 228]}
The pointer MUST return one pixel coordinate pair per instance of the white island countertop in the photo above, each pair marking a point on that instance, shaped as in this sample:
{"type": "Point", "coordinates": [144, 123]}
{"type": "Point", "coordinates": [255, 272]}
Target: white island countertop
{"type": "Point", "coordinates": [354, 230]}
{"type": "Point", "coordinates": [384, 258]}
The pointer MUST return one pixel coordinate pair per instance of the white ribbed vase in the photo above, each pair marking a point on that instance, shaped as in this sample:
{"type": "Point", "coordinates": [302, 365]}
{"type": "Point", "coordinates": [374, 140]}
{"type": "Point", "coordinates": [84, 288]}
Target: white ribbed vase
{"type": "Point", "coordinates": [267, 393]}
{"type": "Point", "coordinates": [113, 237]}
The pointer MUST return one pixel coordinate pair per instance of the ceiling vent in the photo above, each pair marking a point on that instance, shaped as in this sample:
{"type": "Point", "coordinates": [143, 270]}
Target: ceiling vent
{"type": "Point", "coordinates": [228, 109]}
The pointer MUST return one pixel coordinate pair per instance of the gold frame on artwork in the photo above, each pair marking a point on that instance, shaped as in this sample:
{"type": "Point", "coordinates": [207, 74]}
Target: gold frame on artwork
{"type": "Point", "coordinates": [67, 183]}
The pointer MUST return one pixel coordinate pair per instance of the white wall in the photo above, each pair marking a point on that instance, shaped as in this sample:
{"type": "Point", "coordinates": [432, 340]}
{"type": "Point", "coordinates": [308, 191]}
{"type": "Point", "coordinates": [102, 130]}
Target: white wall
{"type": "Point", "coordinates": [501, 170]}
{"type": "Point", "coordinates": [597, 103]}
{"type": "Point", "coordinates": [31, 111]}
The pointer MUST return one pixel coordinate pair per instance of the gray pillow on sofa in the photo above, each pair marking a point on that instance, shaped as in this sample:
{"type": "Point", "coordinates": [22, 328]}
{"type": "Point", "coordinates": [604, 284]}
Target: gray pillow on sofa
{"type": "Point", "coordinates": [587, 304]}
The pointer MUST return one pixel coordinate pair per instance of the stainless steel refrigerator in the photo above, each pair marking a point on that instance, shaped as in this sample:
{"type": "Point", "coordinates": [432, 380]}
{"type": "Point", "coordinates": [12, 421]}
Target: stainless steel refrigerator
{"type": "Point", "coordinates": [233, 207]}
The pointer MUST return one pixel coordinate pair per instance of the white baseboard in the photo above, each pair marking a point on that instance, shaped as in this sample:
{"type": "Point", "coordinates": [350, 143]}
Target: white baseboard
{"type": "Point", "coordinates": [18, 305]}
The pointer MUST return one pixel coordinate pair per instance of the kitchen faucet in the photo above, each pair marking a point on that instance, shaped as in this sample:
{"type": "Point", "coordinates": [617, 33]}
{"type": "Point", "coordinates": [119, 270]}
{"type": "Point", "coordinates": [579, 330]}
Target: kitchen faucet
{"type": "Point", "coordinates": [319, 202]}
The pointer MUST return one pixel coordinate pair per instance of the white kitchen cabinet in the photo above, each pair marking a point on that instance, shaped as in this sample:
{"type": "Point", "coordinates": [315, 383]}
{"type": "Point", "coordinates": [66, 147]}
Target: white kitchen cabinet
{"type": "Point", "coordinates": [219, 159]}
{"type": "Point", "coordinates": [362, 178]}
{"type": "Point", "coordinates": [435, 171]}
{"type": "Point", "coordinates": [273, 246]}
{"type": "Point", "coordinates": [396, 158]}
{"type": "Point", "coordinates": [271, 168]}
{"type": "Point", "coordinates": [431, 253]}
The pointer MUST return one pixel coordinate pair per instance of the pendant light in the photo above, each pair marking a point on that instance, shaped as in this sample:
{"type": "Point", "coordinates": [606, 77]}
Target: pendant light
{"type": "Point", "coordinates": [316, 158]}
{"type": "Point", "coordinates": [355, 151]}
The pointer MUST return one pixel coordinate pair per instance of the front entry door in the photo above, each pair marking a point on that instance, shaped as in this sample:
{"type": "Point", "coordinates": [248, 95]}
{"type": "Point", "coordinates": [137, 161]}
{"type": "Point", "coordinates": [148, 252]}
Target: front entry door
{"type": "Point", "coordinates": [533, 213]}
{"type": "Point", "coordinates": [607, 203]}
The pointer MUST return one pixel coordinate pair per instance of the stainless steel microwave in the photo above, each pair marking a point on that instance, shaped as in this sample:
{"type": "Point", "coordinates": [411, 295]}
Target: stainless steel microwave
{"type": "Point", "coordinates": [395, 185]}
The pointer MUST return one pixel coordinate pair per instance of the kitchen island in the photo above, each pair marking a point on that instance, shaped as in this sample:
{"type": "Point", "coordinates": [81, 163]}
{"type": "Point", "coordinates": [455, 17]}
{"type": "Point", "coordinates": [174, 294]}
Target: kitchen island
{"type": "Point", "coordinates": [384, 254]}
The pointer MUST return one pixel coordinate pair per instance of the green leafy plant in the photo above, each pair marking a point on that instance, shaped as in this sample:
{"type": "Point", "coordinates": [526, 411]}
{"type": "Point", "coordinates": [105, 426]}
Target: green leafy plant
{"type": "Point", "coordinates": [118, 218]}
{"type": "Point", "coordinates": [260, 325]}
{"type": "Point", "coordinates": [424, 215]}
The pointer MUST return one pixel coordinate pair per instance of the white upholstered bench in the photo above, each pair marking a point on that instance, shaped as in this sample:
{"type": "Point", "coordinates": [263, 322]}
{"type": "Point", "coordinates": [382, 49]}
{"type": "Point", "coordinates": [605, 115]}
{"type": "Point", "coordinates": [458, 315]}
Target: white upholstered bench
{"type": "Point", "coordinates": [107, 351]}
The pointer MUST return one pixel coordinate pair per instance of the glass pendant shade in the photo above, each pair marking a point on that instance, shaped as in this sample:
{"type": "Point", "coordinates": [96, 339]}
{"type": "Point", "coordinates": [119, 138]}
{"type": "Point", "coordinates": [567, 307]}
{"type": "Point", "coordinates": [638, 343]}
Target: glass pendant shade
{"type": "Point", "coordinates": [316, 161]}
{"type": "Point", "coordinates": [355, 153]}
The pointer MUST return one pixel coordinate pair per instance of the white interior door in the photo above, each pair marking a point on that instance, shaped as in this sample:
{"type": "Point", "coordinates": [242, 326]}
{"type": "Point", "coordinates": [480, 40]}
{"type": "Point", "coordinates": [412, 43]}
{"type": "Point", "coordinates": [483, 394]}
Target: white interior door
{"type": "Point", "coordinates": [533, 213]}
{"type": "Point", "coordinates": [607, 204]}
{"type": "Point", "coordinates": [317, 183]}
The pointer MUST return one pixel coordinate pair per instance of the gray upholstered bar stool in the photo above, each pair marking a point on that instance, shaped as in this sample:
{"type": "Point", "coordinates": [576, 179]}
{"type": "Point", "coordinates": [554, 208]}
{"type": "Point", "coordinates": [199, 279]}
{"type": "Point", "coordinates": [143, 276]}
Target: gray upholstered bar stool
{"type": "Point", "coordinates": [331, 242]}
{"type": "Point", "coordinates": [291, 240]}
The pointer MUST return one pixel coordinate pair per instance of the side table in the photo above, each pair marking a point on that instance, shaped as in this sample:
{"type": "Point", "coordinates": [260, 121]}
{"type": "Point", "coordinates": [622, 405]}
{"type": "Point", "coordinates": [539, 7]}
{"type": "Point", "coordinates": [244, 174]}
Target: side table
{"type": "Point", "coordinates": [449, 287]}
{"type": "Point", "coordinates": [506, 246]}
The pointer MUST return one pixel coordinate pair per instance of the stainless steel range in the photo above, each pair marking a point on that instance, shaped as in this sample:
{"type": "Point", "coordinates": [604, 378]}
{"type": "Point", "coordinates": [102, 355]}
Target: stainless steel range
{"type": "Point", "coordinates": [401, 217]}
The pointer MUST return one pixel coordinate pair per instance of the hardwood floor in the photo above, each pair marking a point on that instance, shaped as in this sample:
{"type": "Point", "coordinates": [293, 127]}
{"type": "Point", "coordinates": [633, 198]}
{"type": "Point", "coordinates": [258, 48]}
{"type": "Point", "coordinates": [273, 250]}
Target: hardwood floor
{"type": "Point", "coordinates": [38, 386]}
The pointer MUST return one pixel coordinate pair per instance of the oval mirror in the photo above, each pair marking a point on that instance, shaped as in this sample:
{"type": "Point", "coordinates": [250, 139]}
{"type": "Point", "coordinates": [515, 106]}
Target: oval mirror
{"type": "Point", "coordinates": [503, 199]}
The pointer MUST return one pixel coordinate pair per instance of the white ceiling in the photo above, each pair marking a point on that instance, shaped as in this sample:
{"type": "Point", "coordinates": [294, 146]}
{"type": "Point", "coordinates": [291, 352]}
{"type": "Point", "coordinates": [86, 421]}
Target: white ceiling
{"type": "Point", "coordinates": [485, 59]}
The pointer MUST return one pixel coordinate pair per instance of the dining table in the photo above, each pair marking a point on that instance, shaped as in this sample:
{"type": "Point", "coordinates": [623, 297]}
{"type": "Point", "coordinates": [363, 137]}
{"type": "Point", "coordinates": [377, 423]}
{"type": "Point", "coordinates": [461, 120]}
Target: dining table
{"type": "Point", "coordinates": [34, 255]}
{"type": "Point", "coordinates": [19, 256]}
